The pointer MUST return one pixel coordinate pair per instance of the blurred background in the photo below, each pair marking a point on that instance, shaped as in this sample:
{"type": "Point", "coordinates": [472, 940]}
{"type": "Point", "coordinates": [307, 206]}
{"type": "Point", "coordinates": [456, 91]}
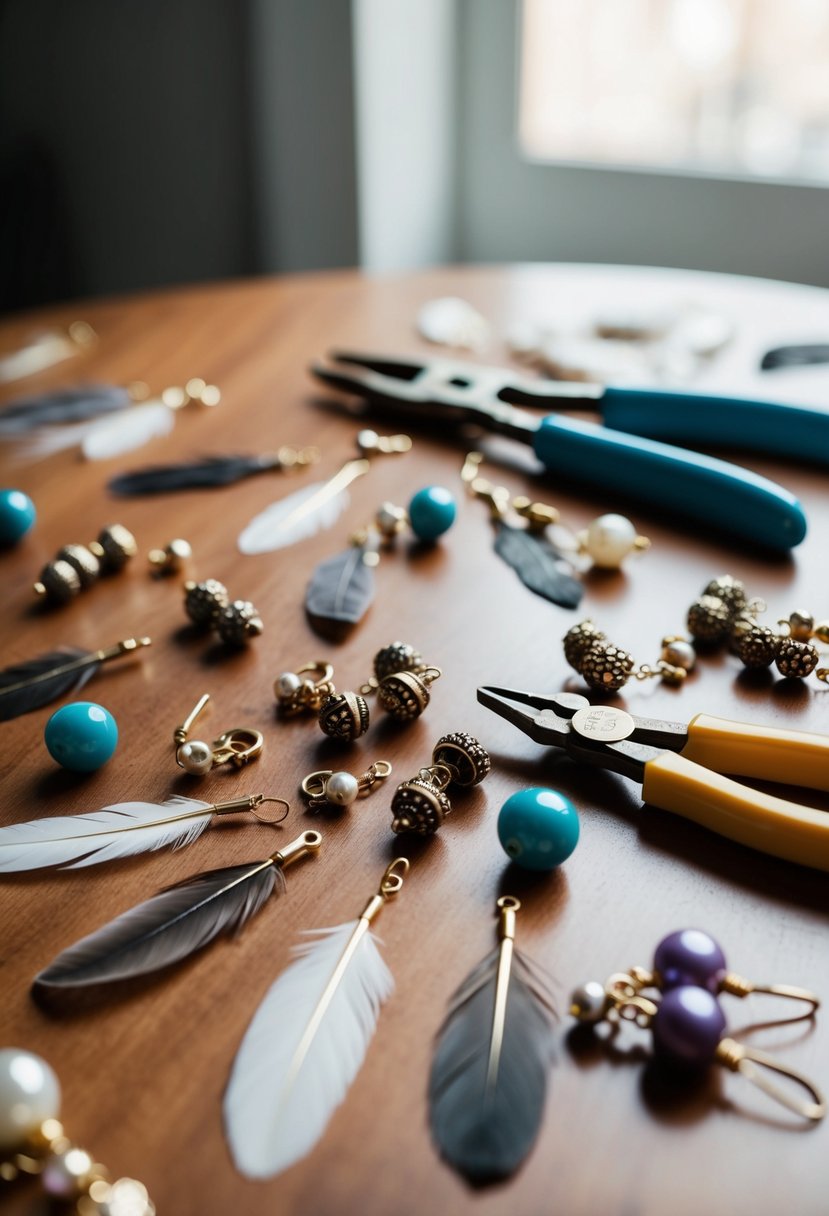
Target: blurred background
{"type": "Point", "coordinates": [152, 142]}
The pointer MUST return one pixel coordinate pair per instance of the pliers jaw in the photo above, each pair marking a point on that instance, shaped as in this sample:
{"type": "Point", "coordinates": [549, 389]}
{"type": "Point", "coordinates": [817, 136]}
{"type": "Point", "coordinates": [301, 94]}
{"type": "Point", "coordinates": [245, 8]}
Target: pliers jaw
{"type": "Point", "coordinates": [544, 719]}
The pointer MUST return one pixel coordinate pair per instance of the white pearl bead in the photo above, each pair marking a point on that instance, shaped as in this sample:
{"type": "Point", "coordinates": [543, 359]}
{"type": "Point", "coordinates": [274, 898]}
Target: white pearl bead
{"type": "Point", "coordinates": [587, 1002]}
{"type": "Point", "coordinates": [287, 684]}
{"type": "Point", "coordinates": [679, 654]}
{"type": "Point", "coordinates": [195, 757]}
{"type": "Point", "coordinates": [29, 1095]}
{"type": "Point", "coordinates": [342, 789]}
{"type": "Point", "coordinates": [609, 539]}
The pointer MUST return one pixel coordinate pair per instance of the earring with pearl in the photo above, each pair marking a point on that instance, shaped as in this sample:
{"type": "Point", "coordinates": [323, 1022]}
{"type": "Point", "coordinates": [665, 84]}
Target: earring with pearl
{"type": "Point", "coordinates": [197, 757]}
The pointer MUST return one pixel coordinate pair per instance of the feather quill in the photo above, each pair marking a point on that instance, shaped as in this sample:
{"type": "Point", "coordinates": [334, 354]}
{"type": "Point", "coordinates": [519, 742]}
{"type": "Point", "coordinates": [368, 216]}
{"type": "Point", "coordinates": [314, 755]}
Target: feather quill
{"type": "Point", "coordinates": [302, 514]}
{"type": "Point", "coordinates": [488, 1080]}
{"type": "Point", "coordinates": [538, 564]}
{"type": "Point", "coordinates": [307, 1041]}
{"type": "Point", "coordinates": [341, 587]}
{"type": "Point", "coordinates": [27, 686]}
{"type": "Point", "coordinates": [162, 930]}
{"type": "Point", "coordinates": [122, 830]}
{"type": "Point", "coordinates": [102, 438]}
{"type": "Point", "coordinates": [203, 474]}
{"type": "Point", "coordinates": [66, 405]}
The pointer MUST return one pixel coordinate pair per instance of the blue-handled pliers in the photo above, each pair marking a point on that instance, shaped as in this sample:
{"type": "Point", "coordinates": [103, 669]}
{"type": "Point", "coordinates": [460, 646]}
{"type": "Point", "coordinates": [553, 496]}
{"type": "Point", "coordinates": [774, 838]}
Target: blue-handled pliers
{"type": "Point", "coordinates": [616, 456]}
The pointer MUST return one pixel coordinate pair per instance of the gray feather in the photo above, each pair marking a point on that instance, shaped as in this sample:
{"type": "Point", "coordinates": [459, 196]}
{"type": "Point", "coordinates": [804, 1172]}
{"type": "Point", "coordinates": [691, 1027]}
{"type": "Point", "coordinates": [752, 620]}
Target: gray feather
{"type": "Point", "coordinates": [65, 405]}
{"type": "Point", "coordinates": [341, 588]}
{"type": "Point", "coordinates": [202, 474]}
{"type": "Point", "coordinates": [485, 1131]}
{"type": "Point", "coordinates": [27, 686]}
{"type": "Point", "coordinates": [165, 929]}
{"type": "Point", "coordinates": [539, 565]}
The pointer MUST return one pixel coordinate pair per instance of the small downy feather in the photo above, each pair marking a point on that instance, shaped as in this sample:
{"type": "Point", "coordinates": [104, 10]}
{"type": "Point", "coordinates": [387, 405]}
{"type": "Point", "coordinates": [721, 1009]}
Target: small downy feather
{"type": "Point", "coordinates": [66, 405]}
{"type": "Point", "coordinates": [283, 1086]}
{"type": "Point", "coordinates": [121, 830]}
{"type": "Point", "coordinates": [27, 686]}
{"type": "Point", "coordinates": [102, 438]}
{"type": "Point", "coordinates": [485, 1125]}
{"type": "Point", "coordinates": [341, 587]}
{"type": "Point", "coordinates": [166, 928]}
{"type": "Point", "coordinates": [292, 519]}
{"type": "Point", "coordinates": [203, 474]}
{"type": "Point", "coordinates": [539, 565]}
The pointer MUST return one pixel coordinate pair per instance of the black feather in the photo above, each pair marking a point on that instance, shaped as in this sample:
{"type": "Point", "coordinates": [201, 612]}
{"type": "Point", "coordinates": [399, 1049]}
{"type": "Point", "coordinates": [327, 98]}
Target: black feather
{"type": "Point", "coordinates": [484, 1128]}
{"type": "Point", "coordinates": [795, 356]}
{"type": "Point", "coordinates": [65, 405]}
{"type": "Point", "coordinates": [539, 565]}
{"type": "Point", "coordinates": [27, 686]}
{"type": "Point", "coordinates": [341, 587]}
{"type": "Point", "coordinates": [203, 474]}
{"type": "Point", "coordinates": [167, 928]}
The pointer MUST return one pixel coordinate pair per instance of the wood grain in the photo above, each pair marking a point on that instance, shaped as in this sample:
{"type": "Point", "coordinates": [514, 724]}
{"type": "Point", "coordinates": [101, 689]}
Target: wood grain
{"type": "Point", "coordinates": [143, 1075]}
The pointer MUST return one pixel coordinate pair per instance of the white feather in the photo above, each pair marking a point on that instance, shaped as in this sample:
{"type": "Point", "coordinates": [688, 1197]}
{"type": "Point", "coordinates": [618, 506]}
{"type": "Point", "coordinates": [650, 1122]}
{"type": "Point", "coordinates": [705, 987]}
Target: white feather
{"type": "Point", "coordinates": [293, 519]}
{"type": "Point", "coordinates": [121, 830]}
{"type": "Point", "coordinates": [48, 440]}
{"type": "Point", "coordinates": [100, 438]}
{"type": "Point", "coordinates": [127, 430]}
{"type": "Point", "coordinates": [272, 1117]}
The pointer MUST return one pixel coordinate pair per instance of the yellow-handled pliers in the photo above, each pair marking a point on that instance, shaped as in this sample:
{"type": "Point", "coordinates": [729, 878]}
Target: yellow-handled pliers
{"type": "Point", "coordinates": [680, 766]}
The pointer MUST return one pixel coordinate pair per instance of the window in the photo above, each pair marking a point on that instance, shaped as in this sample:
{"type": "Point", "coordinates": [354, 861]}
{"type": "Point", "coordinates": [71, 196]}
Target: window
{"type": "Point", "coordinates": [727, 87]}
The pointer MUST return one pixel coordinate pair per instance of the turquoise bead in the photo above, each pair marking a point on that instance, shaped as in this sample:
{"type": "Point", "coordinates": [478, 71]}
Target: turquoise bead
{"type": "Point", "coordinates": [538, 828]}
{"type": "Point", "coordinates": [17, 514]}
{"type": "Point", "coordinates": [81, 736]}
{"type": "Point", "coordinates": [432, 512]}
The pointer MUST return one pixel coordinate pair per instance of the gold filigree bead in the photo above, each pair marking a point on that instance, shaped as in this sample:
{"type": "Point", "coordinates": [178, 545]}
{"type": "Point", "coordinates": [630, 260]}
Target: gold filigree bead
{"type": "Point", "coordinates": [59, 582]}
{"type": "Point", "coordinates": [463, 755]}
{"type": "Point", "coordinates": [344, 716]}
{"type": "Point", "coordinates": [83, 560]}
{"type": "Point", "coordinates": [114, 547]}
{"type": "Point", "coordinates": [405, 694]}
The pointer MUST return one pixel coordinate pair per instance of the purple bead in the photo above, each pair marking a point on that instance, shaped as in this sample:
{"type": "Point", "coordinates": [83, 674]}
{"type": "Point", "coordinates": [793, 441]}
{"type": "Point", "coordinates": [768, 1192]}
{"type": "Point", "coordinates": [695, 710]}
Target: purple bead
{"type": "Point", "coordinates": [688, 1026]}
{"type": "Point", "coordinates": [689, 956]}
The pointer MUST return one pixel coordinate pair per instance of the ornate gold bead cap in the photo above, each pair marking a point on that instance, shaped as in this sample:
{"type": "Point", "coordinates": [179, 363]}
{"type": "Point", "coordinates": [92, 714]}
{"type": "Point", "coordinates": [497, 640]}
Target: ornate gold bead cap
{"type": "Point", "coordinates": [344, 716]}
{"type": "Point", "coordinates": [463, 755]}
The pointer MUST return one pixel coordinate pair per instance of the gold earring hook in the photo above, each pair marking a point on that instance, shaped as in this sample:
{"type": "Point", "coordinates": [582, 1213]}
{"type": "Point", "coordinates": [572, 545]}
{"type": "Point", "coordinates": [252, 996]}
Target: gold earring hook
{"type": "Point", "coordinates": [181, 732]}
{"type": "Point", "coordinates": [264, 818]}
{"type": "Point", "coordinates": [392, 881]}
{"type": "Point", "coordinates": [748, 1061]}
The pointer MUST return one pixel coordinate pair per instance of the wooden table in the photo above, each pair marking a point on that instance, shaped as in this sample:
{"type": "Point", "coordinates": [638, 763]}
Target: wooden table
{"type": "Point", "coordinates": [143, 1076]}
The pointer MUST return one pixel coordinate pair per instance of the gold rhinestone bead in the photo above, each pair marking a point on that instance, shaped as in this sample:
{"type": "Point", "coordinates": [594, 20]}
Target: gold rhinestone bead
{"type": "Point", "coordinates": [398, 656]}
{"type": "Point", "coordinates": [578, 640]}
{"type": "Point", "coordinates": [344, 716]}
{"type": "Point", "coordinates": [238, 622]}
{"type": "Point", "coordinates": [419, 807]}
{"type": "Point", "coordinates": [606, 666]}
{"type": "Point", "coordinates": [796, 659]}
{"type": "Point", "coordinates": [730, 590]}
{"type": "Point", "coordinates": [204, 601]}
{"type": "Point", "coordinates": [757, 646]}
{"type": "Point", "coordinates": [709, 619]}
